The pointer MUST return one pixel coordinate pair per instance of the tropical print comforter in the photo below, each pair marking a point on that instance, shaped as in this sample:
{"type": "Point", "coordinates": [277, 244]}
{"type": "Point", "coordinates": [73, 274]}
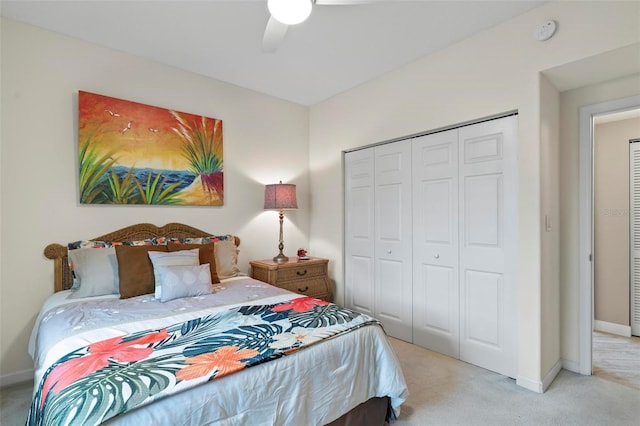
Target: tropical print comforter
{"type": "Point", "coordinates": [102, 380]}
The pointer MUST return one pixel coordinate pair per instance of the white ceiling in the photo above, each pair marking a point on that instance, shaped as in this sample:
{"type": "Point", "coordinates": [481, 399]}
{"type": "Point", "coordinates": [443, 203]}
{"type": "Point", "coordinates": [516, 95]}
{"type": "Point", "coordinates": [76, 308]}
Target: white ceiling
{"type": "Point", "coordinates": [337, 48]}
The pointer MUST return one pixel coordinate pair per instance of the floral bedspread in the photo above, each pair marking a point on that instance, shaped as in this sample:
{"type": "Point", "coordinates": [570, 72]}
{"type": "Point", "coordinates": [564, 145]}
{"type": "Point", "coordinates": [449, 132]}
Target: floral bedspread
{"type": "Point", "coordinates": [102, 380]}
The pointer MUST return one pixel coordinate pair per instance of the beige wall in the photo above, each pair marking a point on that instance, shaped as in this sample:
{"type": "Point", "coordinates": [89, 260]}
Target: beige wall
{"type": "Point", "coordinates": [611, 219]}
{"type": "Point", "coordinates": [492, 72]}
{"type": "Point", "coordinates": [550, 210]}
{"type": "Point", "coordinates": [570, 103]}
{"type": "Point", "coordinates": [265, 140]}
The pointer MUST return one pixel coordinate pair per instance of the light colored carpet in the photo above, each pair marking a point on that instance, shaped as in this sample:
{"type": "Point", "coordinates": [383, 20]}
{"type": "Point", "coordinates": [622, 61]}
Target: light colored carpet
{"type": "Point", "coordinates": [445, 391]}
{"type": "Point", "coordinates": [15, 402]}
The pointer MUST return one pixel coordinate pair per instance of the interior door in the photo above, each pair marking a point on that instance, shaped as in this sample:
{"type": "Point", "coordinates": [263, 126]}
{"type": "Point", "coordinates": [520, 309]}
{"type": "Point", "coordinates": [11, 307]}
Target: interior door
{"type": "Point", "coordinates": [634, 207]}
{"type": "Point", "coordinates": [488, 243]}
{"type": "Point", "coordinates": [359, 232]}
{"type": "Point", "coordinates": [435, 242]}
{"type": "Point", "coordinates": [393, 305]}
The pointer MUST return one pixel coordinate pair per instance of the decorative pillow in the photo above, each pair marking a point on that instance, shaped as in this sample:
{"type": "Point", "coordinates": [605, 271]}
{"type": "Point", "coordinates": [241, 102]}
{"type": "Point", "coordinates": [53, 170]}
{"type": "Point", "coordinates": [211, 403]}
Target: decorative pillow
{"type": "Point", "coordinates": [226, 254]}
{"type": "Point", "coordinates": [82, 244]}
{"type": "Point", "coordinates": [207, 255]}
{"type": "Point", "coordinates": [95, 271]}
{"type": "Point", "coordinates": [177, 258]}
{"type": "Point", "coordinates": [184, 281]}
{"type": "Point", "coordinates": [135, 270]}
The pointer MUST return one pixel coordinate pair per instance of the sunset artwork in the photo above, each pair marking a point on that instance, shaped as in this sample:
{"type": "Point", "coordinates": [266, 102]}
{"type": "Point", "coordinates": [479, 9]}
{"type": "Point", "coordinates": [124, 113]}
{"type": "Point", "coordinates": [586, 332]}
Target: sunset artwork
{"type": "Point", "coordinates": [131, 153]}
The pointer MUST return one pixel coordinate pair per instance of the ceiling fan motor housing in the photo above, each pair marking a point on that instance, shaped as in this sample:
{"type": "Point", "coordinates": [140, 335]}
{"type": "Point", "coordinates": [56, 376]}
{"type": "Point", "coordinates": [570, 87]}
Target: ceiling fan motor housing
{"type": "Point", "coordinates": [290, 12]}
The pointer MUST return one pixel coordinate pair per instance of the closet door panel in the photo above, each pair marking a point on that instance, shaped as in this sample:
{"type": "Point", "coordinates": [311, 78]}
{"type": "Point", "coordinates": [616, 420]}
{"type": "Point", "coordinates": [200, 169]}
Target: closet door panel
{"type": "Point", "coordinates": [392, 280]}
{"type": "Point", "coordinates": [483, 292]}
{"type": "Point", "coordinates": [359, 231]}
{"type": "Point", "coordinates": [435, 242]}
{"type": "Point", "coordinates": [488, 209]}
{"type": "Point", "coordinates": [390, 309]}
{"type": "Point", "coordinates": [483, 213]}
{"type": "Point", "coordinates": [634, 233]}
{"type": "Point", "coordinates": [360, 293]}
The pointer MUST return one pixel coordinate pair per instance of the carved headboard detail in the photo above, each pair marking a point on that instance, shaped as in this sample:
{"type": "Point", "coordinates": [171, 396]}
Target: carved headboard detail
{"type": "Point", "coordinates": [62, 279]}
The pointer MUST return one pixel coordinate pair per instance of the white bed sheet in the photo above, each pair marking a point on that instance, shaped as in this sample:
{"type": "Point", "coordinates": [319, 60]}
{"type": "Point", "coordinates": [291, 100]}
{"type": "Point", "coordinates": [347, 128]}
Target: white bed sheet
{"type": "Point", "coordinates": [315, 385]}
{"type": "Point", "coordinates": [142, 306]}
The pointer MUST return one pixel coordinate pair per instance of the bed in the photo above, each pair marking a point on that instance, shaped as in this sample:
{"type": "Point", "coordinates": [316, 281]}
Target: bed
{"type": "Point", "coordinates": [204, 344]}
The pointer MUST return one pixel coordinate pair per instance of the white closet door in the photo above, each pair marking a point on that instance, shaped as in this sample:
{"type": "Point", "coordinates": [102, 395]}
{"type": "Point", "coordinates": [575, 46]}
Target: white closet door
{"type": "Point", "coordinates": [393, 238]}
{"type": "Point", "coordinates": [359, 236]}
{"type": "Point", "coordinates": [435, 242]}
{"type": "Point", "coordinates": [488, 230]}
{"type": "Point", "coordinates": [634, 204]}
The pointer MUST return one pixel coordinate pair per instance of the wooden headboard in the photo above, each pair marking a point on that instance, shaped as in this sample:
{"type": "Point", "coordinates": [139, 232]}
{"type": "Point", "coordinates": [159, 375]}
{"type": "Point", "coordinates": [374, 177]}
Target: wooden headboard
{"type": "Point", "coordinates": [62, 279]}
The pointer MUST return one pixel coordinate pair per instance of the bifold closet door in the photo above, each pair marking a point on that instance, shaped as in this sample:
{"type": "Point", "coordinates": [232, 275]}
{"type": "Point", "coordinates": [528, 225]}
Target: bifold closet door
{"type": "Point", "coordinates": [464, 244]}
{"type": "Point", "coordinates": [435, 242]}
{"type": "Point", "coordinates": [487, 166]}
{"type": "Point", "coordinates": [392, 275]}
{"type": "Point", "coordinates": [359, 237]}
{"type": "Point", "coordinates": [634, 235]}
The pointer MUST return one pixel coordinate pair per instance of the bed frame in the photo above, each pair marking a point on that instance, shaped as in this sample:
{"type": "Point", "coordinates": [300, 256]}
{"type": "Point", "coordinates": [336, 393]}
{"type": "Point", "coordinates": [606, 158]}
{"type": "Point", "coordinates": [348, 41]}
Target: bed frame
{"type": "Point", "coordinates": [369, 413]}
{"type": "Point", "coordinates": [62, 279]}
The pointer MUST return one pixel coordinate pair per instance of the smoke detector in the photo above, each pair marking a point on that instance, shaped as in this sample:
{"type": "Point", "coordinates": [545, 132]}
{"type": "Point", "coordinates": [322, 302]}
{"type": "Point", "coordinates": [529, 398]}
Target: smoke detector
{"type": "Point", "coordinates": [545, 31]}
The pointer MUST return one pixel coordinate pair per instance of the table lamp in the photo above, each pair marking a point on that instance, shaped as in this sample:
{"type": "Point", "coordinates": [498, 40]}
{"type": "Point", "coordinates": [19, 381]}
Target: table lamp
{"type": "Point", "coordinates": [280, 196]}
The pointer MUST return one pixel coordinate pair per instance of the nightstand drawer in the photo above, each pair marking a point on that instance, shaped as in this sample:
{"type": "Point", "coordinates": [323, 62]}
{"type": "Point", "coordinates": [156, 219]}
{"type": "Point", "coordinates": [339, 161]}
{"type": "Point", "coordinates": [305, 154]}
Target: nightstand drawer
{"type": "Point", "coordinates": [301, 272]}
{"type": "Point", "coordinates": [314, 287]}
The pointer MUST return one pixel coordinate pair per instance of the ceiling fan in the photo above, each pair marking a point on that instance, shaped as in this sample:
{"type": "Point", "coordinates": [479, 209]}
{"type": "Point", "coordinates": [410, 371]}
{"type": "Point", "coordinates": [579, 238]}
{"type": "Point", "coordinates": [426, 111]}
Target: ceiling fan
{"type": "Point", "coordinates": [292, 12]}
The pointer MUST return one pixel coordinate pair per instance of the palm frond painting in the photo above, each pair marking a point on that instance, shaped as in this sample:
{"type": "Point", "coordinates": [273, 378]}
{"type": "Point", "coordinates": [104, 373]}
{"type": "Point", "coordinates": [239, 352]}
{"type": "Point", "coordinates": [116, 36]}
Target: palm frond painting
{"type": "Point", "coordinates": [131, 153]}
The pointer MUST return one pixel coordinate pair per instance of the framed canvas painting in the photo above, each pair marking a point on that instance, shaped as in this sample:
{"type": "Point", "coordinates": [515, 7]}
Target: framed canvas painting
{"type": "Point", "coordinates": [131, 153]}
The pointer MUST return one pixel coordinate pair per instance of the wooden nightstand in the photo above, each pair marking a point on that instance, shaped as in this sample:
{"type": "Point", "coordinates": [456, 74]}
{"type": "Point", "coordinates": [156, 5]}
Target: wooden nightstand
{"type": "Point", "coordinates": [308, 277]}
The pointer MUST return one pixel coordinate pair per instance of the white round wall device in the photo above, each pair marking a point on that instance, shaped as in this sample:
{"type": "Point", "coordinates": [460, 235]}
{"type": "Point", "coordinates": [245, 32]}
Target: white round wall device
{"type": "Point", "coordinates": [545, 31]}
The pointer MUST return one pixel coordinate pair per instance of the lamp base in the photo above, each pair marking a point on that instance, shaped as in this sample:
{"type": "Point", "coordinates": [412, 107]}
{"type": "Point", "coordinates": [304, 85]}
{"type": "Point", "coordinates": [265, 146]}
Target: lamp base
{"type": "Point", "coordinates": [281, 258]}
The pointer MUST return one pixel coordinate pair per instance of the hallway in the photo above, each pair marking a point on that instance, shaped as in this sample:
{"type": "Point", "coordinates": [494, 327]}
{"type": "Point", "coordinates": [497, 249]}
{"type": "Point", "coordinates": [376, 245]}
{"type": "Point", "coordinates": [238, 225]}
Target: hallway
{"type": "Point", "coordinates": [617, 358]}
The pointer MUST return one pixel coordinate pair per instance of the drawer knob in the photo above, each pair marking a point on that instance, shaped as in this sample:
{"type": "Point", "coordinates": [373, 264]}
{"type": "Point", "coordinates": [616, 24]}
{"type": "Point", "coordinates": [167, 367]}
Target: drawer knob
{"type": "Point", "coordinates": [302, 290]}
{"type": "Point", "coordinates": [301, 273]}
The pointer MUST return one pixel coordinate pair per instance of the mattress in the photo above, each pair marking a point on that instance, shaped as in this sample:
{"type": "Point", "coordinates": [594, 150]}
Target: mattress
{"type": "Point", "coordinates": [313, 385]}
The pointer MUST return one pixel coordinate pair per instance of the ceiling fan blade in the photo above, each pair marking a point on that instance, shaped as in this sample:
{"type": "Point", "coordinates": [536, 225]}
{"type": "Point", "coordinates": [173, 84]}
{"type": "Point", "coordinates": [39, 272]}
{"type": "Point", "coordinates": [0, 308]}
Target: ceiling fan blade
{"type": "Point", "coordinates": [273, 35]}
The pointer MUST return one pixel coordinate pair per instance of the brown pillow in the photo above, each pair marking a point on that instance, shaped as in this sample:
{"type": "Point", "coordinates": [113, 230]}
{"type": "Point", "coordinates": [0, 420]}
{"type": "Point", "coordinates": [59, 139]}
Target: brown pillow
{"type": "Point", "coordinates": [135, 270]}
{"type": "Point", "coordinates": [206, 253]}
{"type": "Point", "coordinates": [226, 253]}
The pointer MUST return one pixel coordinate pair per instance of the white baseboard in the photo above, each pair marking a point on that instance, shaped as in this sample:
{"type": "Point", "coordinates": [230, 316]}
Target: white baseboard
{"type": "Point", "coordinates": [532, 385]}
{"type": "Point", "coordinates": [572, 366]}
{"type": "Point", "coordinates": [17, 377]}
{"type": "Point", "coordinates": [538, 386]}
{"type": "Point", "coordinates": [613, 328]}
{"type": "Point", "coordinates": [551, 375]}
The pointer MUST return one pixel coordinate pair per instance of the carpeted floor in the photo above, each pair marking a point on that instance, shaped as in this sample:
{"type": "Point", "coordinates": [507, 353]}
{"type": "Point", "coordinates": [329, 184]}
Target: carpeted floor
{"type": "Point", "coordinates": [445, 391]}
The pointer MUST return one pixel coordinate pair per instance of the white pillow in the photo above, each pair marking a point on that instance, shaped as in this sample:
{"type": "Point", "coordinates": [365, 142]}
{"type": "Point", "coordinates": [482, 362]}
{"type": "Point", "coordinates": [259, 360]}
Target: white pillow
{"type": "Point", "coordinates": [226, 254]}
{"type": "Point", "coordinates": [95, 270]}
{"type": "Point", "coordinates": [174, 258]}
{"type": "Point", "coordinates": [184, 281]}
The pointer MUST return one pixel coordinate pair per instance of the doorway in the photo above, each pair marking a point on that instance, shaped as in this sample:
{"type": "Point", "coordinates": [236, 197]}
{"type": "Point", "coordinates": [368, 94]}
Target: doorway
{"type": "Point", "coordinates": [588, 115]}
{"type": "Point", "coordinates": [615, 354]}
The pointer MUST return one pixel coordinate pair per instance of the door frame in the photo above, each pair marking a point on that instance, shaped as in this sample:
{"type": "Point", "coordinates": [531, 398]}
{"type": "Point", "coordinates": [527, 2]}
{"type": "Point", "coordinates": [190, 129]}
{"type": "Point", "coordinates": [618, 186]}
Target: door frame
{"type": "Point", "coordinates": [585, 248]}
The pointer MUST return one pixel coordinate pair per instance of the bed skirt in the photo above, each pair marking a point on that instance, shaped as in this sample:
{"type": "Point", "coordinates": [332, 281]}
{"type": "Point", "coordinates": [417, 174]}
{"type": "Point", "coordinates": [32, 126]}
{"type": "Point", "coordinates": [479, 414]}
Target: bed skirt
{"type": "Point", "coordinates": [370, 413]}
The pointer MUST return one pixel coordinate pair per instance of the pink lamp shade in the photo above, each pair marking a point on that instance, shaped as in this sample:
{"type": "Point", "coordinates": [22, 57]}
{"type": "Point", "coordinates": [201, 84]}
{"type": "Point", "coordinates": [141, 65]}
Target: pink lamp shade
{"type": "Point", "coordinates": [280, 196]}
